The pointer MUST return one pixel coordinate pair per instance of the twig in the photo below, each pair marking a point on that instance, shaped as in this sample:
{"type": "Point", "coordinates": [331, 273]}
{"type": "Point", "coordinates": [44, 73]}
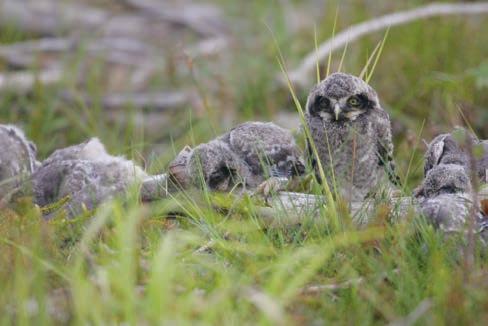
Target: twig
{"type": "Point", "coordinates": [205, 20]}
{"type": "Point", "coordinates": [121, 50]}
{"type": "Point", "coordinates": [300, 203]}
{"type": "Point", "coordinates": [155, 187]}
{"type": "Point", "coordinates": [206, 247]}
{"type": "Point", "coordinates": [23, 54]}
{"type": "Point", "coordinates": [48, 17]}
{"type": "Point", "coordinates": [150, 101]}
{"type": "Point", "coordinates": [289, 208]}
{"type": "Point", "coordinates": [24, 81]}
{"type": "Point", "coordinates": [208, 47]}
{"type": "Point", "coordinates": [301, 76]}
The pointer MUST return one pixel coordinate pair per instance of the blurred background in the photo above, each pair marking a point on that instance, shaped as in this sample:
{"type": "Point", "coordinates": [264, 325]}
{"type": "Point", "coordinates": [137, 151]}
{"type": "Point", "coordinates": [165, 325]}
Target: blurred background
{"type": "Point", "coordinates": [149, 76]}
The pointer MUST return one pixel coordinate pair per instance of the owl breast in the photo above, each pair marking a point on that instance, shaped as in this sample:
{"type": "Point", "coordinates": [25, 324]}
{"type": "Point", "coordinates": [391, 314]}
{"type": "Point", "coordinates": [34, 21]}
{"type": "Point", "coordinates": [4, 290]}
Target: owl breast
{"type": "Point", "coordinates": [348, 153]}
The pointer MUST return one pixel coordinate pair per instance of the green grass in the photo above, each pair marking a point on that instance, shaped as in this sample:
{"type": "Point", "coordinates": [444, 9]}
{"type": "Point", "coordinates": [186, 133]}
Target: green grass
{"type": "Point", "coordinates": [137, 263]}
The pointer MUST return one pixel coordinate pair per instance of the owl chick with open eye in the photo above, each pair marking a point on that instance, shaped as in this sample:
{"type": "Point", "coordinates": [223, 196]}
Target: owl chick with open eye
{"type": "Point", "coordinates": [352, 135]}
{"type": "Point", "coordinates": [446, 199]}
{"type": "Point", "coordinates": [247, 155]}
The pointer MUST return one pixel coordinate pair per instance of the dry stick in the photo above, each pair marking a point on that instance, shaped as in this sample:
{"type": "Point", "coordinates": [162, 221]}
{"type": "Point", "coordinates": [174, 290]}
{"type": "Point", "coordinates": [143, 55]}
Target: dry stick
{"type": "Point", "coordinates": [121, 50]}
{"type": "Point", "coordinates": [24, 81]}
{"type": "Point", "coordinates": [300, 74]}
{"type": "Point", "coordinates": [205, 20]}
{"type": "Point", "coordinates": [288, 208]}
{"type": "Point", "coordinates": [46, 44]}
{"type": "Point", "coordinates": [208, 47]}
{"type": "Point", "coordinates": [51, 17]}
{"type": "Point", "coordinates": [23, 54]}
{"type": "Point", "coordinates": [150, 101]}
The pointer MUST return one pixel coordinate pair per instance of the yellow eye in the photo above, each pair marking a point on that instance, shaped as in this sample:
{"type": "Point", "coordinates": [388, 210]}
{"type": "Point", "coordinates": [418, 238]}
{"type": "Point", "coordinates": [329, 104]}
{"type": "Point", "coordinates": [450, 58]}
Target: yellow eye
{"type": "Point", "coordinates": [353, 101]}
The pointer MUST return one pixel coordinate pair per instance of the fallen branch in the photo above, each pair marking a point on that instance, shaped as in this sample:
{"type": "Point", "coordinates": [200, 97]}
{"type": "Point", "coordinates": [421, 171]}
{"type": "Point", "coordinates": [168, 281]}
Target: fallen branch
{"type": "Point", "coordinates": [289, 208]}
{"type": "Point", "coordinates": [24, 81]}
{"type": "Point", "coordinates": [120, 50]}
{"type": "Point", "coordinates": [49, 18]}
{"type": "Point", "coordinates": [123, 36]}
{"type": "Point", "coordinates": [149, 101]}
{"type": "Point", "coordinates": [301, 75]}
{"type": "Point", "coordinates": [24, 54]}
{"type": "Point", "coordinates": [140, 57]}
{"type": "Point", "coordinates": [205, 20]}
{"type": "Point", "coordinates": [303, 203]}
{"type": "Point", "coordinates": [208, 47]}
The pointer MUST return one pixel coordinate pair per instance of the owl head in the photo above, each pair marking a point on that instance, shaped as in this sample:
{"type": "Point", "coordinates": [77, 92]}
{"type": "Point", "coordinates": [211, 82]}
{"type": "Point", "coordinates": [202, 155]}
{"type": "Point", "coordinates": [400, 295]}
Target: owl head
{"type": "Point", "coordinates": [446, 179]}
{"type": "Point", "coordinates": [216, 164]}
{"type": "Point", "coordinates": [342, 97]}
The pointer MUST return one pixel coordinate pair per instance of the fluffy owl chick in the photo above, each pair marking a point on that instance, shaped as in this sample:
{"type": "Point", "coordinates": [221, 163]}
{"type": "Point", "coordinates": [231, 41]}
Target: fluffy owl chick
{"type": "Point", "coordinates": [352, 135]}
{"type": "Point", "coordinates": [17, 158]}
{"type": "Point", "coordinates": [247, 155]}
{"type": "Point", "coordinates": [85, 174]}
{"type": "Point", "coordinates": [446, 201]}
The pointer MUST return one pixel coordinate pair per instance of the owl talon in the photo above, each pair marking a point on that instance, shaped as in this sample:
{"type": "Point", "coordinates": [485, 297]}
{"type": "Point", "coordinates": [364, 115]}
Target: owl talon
{"type": "Point", "coordinates": [271, 186]}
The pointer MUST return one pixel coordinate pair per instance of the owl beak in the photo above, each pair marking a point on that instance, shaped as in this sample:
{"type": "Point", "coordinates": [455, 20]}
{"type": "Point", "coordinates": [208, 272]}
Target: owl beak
{"type": "Point", "coordinates": [337, 111]}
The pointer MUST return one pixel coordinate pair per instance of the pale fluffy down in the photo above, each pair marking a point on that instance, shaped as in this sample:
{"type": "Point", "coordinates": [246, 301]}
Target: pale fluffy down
{"type": "Point", "coordinates": [17, 158]}
{"type": "Point", "coordinates": [85, 174]}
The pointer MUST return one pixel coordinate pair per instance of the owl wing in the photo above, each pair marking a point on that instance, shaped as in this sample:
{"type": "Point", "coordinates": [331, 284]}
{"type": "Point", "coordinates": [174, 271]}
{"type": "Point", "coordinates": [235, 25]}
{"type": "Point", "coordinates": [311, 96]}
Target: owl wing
{"type": "Point", "coordinates": [385, 147]}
